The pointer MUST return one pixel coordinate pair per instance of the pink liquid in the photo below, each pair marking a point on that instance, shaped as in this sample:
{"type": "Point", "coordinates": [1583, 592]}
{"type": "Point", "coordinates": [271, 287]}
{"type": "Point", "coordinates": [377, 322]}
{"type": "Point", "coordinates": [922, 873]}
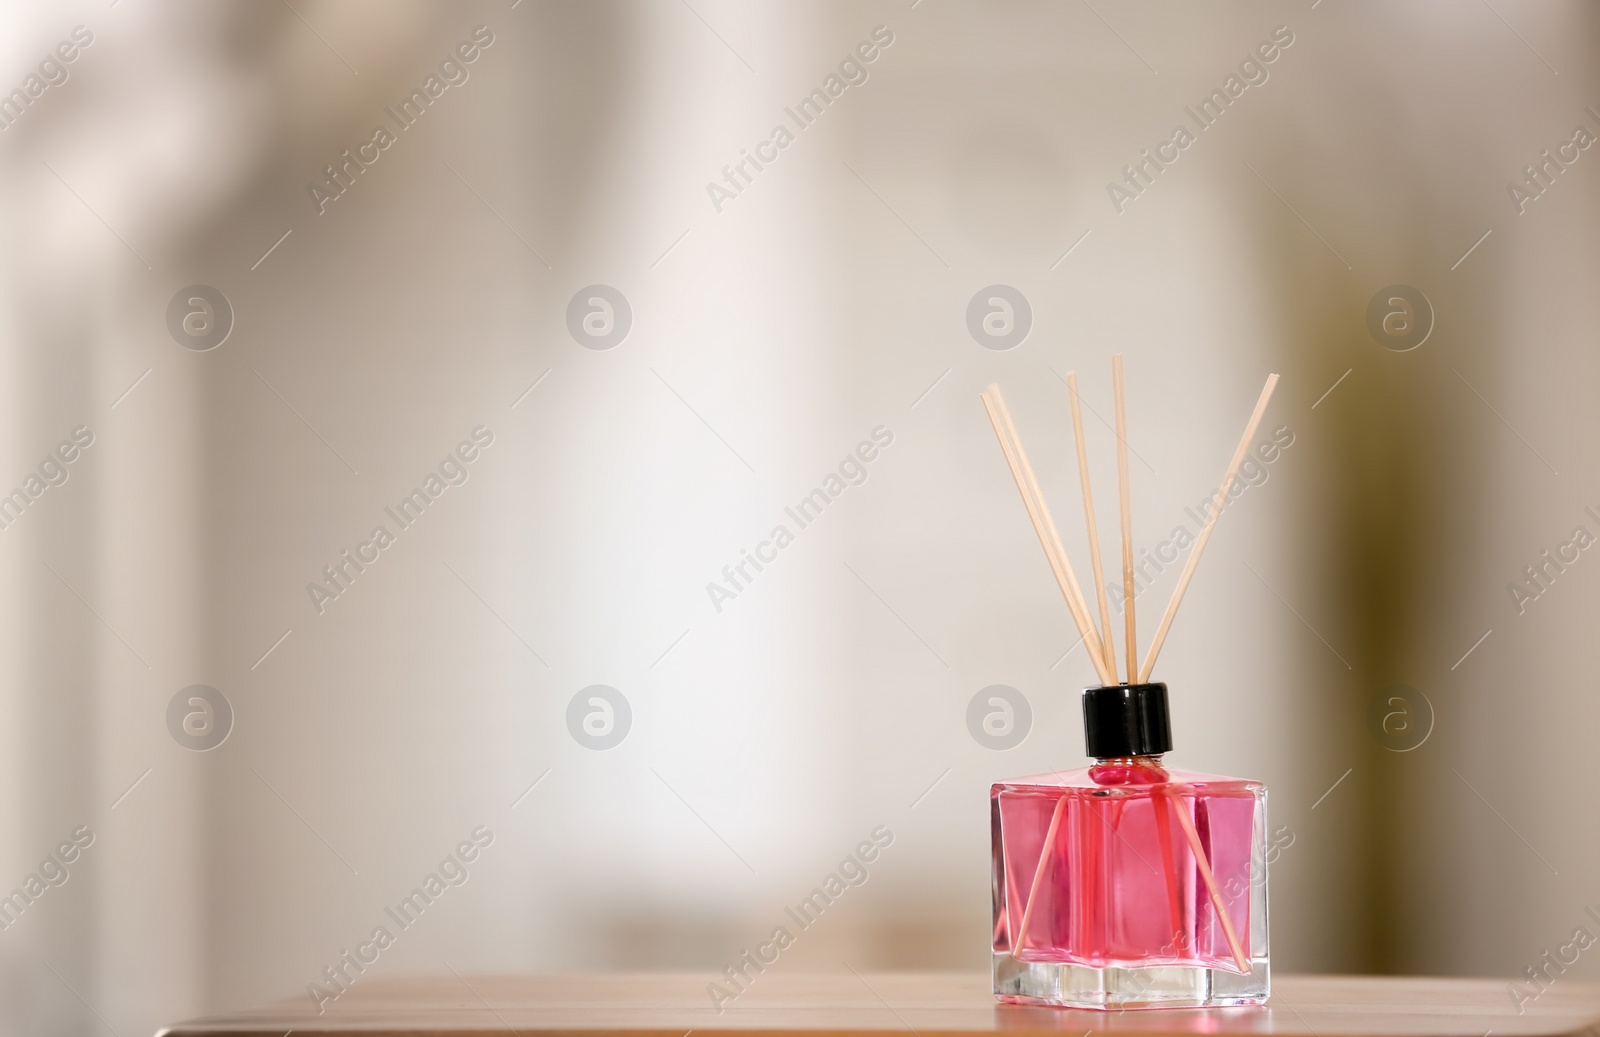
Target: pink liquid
{"type": "Point", "coordinates": [1117, 883]}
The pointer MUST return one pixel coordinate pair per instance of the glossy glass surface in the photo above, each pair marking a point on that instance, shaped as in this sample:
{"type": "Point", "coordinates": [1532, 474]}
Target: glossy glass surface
{"type": "Point", "coordinates": [1104, 869]}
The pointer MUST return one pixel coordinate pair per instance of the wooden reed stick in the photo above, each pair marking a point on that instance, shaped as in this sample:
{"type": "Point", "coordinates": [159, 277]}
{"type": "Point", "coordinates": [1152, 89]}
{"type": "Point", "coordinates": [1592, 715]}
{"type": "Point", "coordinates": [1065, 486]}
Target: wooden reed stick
{"type": "Point", "coordinates": [1043, 525]}
{"type": "Point", "coordinates": [1087, 626]}
{"type": "Point", "coordinates": [1038, 875]}
{"type": "Point", "coordinates": [1110, 649]}
{"type": "Point", "coordinates": [1129, 633]}
{"type": "Point", "coordinates": [1221, 502]}
{"type": "Point", "coordinates": [1091, 638]}
{"type": "Point", "coordinates": [1211, 883]}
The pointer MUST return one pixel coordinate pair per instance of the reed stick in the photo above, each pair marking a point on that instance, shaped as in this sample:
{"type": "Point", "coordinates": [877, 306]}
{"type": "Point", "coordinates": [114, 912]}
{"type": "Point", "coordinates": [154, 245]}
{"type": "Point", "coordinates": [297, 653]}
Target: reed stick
{"type": "Point", "coordinates": [1110, 648]}
{"type": "Point", "coordinates": [1204, 867]}
{"type": "Point", "coordinates": [1086, 630]}
{"type": "Point", "coordinates": [1170, 868]}
{"type": "Point", "coordinates": [1038, 874]}
{"type": "Point", "coordinates": [1221, 501]}
{"type": "Point", "coordinates": [1043, 525]}
{"type": "Point", "coordinates": [1129, 627]}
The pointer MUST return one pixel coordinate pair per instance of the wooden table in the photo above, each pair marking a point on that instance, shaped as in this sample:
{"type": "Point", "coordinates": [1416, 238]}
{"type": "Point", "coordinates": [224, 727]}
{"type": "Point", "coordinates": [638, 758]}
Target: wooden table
{"type": "Point", "coordinates": [668, 1005]}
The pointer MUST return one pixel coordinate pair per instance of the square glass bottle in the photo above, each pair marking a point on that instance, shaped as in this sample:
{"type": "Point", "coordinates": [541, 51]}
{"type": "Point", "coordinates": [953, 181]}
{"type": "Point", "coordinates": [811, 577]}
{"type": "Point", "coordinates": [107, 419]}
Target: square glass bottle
{"type": "Point", "coordinates": [1125, 884]}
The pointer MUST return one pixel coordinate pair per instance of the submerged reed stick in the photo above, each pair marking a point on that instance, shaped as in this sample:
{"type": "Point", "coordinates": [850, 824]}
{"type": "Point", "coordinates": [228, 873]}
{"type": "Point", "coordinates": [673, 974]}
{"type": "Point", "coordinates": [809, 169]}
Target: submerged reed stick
{"type": "Point", "coordinates": [1038, 874]}
{"type": "Point", "coordinates": [1204, 867]}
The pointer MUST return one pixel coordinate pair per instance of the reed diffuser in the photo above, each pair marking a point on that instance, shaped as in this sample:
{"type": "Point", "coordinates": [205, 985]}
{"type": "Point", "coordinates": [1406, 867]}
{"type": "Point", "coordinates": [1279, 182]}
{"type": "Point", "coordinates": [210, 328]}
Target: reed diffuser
{"type": "Point", "coordinates": [1125, 884]}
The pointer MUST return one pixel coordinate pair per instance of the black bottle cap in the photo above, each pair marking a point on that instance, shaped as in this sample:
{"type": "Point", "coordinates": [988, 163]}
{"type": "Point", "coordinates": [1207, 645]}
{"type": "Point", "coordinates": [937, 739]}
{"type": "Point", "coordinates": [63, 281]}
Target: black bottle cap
{"type": "Point", "coordinates": [1126, 720]}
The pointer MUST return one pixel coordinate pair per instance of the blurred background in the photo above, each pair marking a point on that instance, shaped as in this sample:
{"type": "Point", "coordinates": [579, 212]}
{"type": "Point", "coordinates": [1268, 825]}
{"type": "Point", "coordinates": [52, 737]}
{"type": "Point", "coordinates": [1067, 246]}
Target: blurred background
{"type": "Point", "coordinates": [269, 264]}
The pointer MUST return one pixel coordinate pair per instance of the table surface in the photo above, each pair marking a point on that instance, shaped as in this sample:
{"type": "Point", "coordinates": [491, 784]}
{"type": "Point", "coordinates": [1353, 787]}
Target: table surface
{"type": "Point", "coordinates": [668, 1005]}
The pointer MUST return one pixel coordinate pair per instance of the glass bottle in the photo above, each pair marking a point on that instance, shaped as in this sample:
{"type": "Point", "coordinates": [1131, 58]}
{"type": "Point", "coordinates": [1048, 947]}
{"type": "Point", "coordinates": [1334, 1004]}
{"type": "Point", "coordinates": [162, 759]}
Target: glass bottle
{"type": "Point", "coordinates": [1126, 884]}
